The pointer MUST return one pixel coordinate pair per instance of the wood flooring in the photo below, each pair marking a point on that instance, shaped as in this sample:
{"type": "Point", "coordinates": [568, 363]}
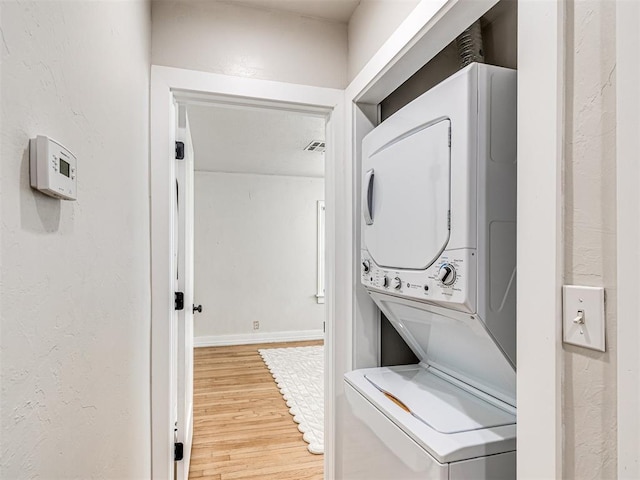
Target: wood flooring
{"type": "Point", "coordinates": [241, 426]}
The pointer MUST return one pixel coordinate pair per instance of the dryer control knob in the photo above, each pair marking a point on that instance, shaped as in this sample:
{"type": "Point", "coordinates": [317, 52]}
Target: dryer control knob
{"type": "Point", "coordinates": [366, 266]}
{"type": "Point", "coordinates": [397, 283]}
{"type": "Point", "coordinates": [385, 282]}
{"type": "Point", "coordinates": [447, 274]}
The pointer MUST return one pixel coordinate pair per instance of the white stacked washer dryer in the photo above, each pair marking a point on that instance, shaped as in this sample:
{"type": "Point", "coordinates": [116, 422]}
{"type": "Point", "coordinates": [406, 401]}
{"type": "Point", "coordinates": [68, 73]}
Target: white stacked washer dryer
{"type": "Point", "coordinates": [438, 258]}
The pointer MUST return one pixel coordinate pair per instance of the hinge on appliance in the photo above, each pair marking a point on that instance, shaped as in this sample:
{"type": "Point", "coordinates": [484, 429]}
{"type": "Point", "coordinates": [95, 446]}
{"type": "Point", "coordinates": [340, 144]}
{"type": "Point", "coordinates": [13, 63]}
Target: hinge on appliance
{"type": "Point", "coordinates": [179, 150]}
{"type": "Point", "coordinates": [449, 136]}
{"type": "Point", "coordinates": [449, 219]}
{"type": "Point", "coordinates": [179, 300]}
{"type": "Point", "coordinates": [178, 451]}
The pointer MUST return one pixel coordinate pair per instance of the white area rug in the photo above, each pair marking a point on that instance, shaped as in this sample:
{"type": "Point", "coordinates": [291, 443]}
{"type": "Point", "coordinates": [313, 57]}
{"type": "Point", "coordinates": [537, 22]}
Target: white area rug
{"type": "Point", "coordinates": [299, 374]}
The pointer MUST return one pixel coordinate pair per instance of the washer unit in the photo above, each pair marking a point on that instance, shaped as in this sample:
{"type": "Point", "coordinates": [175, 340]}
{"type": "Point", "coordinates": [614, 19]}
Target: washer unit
{"type": "Point", "coordinates": [438, 258]}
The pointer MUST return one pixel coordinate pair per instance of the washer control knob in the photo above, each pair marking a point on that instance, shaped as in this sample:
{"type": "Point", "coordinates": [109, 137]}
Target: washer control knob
{"type": "Point", "coordinates": [447, 274]}
{"type": "Point", "coordinates": [397, 283]}
{"type": "Point", "coordinates": [385, 282]}
{"type": "Point", "coordinates": [366, 266]}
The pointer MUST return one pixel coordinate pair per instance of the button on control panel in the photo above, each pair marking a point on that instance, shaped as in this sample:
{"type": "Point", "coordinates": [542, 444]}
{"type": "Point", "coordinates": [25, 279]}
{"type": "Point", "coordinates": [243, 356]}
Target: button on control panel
{"type": "Point", "coordinates": [449, 281]}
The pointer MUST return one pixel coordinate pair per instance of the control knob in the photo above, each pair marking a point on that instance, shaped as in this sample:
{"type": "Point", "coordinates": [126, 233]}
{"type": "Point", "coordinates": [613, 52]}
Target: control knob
{"type": "Point", "coordinates": [366, 266]}
{"type": "Point", "coordinates": [385, 282]}
{"type": "Point", "coordinates": [397, 283]}
{"type": "Point", "coordinates": [447, 274]}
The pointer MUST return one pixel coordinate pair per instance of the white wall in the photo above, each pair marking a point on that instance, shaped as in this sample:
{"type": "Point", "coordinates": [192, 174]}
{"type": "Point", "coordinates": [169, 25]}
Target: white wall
{"type": "Point", "coordinates": [371, 24]}
{"type": "Point", "coordinates": [256, 253]}
{"type": "Point", "coordinates": [75, 313]}
{"type": "Point", "coordinates": [249, 42]}
{"type": "Point", "coordinates": [589, 397]}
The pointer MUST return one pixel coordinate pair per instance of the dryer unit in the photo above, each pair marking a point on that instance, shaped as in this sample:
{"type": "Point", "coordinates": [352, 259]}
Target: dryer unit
{"type": "Point", "coordinates": [438, 257]}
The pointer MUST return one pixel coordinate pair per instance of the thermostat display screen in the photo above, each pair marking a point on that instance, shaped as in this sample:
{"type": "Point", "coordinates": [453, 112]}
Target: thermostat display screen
{"type": "Point", "coordinates": [64, 168]}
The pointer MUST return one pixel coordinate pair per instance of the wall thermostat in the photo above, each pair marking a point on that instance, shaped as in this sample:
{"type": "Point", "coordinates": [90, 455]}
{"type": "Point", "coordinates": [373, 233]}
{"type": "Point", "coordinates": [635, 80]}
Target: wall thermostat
{"type": "Point", "coordinates": [52, 168]}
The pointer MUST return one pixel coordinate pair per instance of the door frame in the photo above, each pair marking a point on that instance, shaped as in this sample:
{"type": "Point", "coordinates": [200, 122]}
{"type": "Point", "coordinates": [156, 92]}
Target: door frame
{"type": "Point", "coordinates": [173, 84]}
{"type": "Point", "coordinates": [431, 26]}
{"type": "Point", "coordinates": [628, 236]}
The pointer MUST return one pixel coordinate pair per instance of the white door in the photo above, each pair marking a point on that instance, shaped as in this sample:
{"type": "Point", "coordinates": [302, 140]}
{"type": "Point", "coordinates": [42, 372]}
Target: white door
{"type": "Point", "coordinates": [184, 283]}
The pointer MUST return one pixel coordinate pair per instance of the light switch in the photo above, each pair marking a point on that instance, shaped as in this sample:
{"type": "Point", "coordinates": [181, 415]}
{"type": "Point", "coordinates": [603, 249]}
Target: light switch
{"type": "Point", "coordinates": [583, 316]}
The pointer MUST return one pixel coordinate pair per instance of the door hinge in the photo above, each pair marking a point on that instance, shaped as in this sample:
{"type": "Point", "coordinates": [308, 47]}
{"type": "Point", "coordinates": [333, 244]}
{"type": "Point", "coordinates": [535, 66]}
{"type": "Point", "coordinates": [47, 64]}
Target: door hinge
{"type": "Point", "coordinates": [178, 451]}
{"type": "Point", "coordinates": [449, 220]}
{"type": "Point", "coordinates": [449, 137]}
{"type": "Point", "coordinates": [179, 301]}
{"type": "Point", "coordinates": [179, 150]}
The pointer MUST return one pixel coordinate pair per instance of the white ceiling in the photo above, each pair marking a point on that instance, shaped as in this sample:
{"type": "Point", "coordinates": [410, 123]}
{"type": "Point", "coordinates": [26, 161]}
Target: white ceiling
{"type": "Point", "coordinates": [262, 141]}
{"type": "Point", "coordinates": [333, 10]}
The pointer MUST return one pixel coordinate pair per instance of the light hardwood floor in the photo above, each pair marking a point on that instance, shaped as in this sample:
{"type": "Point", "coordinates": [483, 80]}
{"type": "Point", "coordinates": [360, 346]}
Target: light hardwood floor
{"type": "Point", "coordinates": [242, 428]}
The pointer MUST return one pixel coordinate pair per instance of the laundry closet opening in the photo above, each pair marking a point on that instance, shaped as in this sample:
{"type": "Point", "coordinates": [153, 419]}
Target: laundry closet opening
{"type": "Point", "coordinates": [259, 276]}
{"type": "Point", "coordinates": [433, 391]}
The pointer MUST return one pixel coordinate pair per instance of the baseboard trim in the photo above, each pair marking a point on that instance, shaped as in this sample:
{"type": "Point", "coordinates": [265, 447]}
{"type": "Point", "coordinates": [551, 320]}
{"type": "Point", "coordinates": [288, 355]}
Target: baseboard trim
{"type": "Point", "coordinates": [251, 338]}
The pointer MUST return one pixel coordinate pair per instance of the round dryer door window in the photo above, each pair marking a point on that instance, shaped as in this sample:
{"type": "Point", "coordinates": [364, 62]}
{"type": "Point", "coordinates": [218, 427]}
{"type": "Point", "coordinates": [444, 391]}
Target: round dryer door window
{"type": "Point", "coordinates": [406, 197]}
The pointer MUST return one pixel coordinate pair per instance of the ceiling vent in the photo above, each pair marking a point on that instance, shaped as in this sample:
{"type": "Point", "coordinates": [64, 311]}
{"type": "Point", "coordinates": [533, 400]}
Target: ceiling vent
{"type": "Point", "coordinates": [316, 146]}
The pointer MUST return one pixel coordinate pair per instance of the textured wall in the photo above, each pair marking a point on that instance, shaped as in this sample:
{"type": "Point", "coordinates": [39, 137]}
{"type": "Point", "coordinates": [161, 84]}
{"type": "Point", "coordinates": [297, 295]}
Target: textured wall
{"type": "Point", "coordinates": [371, 24]}
{"type": "Point", "coordinates": [237, 40]}
{"type": "Point", "coordinates": [258, 232]}
{"type": "Point", "coordinates": [74, 294]}
{"type": "Point", "coordinates": [589, 398]}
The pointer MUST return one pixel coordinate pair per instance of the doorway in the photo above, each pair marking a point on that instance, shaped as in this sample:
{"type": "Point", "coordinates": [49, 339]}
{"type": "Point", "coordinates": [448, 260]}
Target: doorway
{"type": "Point", "coordinates": [170, 86]}
{"type": "Point", "coordinates": [258, 191]}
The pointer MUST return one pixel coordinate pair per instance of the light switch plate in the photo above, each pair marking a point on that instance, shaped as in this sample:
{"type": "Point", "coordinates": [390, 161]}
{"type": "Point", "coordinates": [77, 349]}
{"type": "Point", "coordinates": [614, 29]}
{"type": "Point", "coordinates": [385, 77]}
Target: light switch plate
{"type": "Point", "coordinates": [586, 329]}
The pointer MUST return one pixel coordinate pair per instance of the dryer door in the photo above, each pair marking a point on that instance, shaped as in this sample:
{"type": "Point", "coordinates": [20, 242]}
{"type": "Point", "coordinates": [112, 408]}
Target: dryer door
{"type": "Point", "coordinates": [406, 197]}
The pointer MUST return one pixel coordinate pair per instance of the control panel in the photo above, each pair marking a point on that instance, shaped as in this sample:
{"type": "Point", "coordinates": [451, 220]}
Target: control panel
{"type": "Point", "coordinates": [52, 168]}
{"type": "Point", "coordinates": [449, 281]}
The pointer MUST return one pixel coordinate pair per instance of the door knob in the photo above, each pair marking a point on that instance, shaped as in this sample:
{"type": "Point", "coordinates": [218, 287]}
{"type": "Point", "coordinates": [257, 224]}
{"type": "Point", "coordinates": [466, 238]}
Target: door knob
{"type": "Point", "coordinates": [197, 309]}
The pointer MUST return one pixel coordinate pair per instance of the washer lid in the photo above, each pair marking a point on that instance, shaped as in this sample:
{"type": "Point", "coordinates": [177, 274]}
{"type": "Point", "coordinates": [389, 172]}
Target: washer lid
{"type": "Point", "coordinates": [454, 342]}
{"type": "Point", "coordinates": [406, 196]}
{"type": "Point", "coordinates": [437, 403]}
{"type": "Point", "coordinates": [444, 447]}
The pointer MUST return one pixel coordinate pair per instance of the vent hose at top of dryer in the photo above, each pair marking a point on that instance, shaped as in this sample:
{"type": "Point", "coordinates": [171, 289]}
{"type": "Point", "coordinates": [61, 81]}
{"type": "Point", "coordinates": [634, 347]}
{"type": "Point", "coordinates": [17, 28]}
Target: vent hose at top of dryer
{"type": "Point", "coordinates": [469, 45]}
